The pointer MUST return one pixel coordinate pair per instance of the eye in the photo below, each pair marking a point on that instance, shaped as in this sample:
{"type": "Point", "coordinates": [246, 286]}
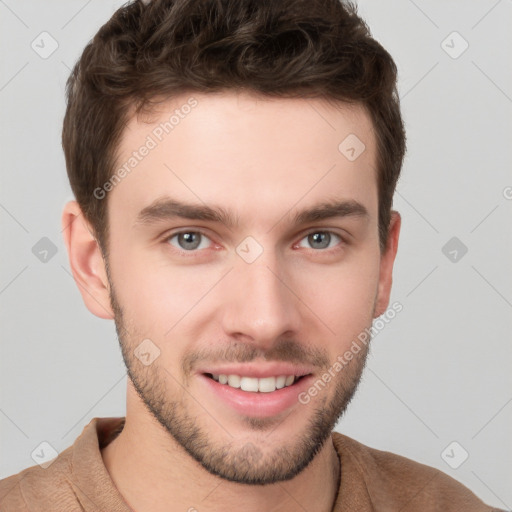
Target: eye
{"type": "Point", "coordinates": [321, 239]}
{"type": "Point", "coordinates": [189, 240]}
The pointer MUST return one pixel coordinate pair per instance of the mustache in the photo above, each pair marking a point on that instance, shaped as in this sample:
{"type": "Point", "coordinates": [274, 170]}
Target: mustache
{"type": "Point", "coordinates": [285, 350]}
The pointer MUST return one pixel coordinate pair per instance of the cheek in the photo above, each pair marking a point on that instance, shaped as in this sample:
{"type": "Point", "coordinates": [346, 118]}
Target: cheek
{"type": "Point", "coordinates": [343, 297]}
{"type": "Point", "coordinates": [157, 296]}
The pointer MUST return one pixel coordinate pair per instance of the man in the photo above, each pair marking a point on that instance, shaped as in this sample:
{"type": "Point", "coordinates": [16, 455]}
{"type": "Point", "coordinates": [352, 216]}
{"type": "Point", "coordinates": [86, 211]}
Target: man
{"type": "Point", "coordinates": [233, 164]}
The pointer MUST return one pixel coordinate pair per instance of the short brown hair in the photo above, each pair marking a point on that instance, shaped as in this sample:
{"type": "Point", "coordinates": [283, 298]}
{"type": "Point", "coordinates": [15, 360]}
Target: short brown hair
{"type": "Point", "coordinates": [276, 48]}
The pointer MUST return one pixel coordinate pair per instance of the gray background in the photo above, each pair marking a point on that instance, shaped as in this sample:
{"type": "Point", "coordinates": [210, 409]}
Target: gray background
{"type": "Point", "coordinates": [438, 373]}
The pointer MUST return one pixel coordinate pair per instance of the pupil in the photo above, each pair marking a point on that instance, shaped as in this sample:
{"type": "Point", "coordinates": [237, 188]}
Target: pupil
{"type": "Point", "coordinates": [320, 239]}
{"type": "Point", "coordinates": [189, 240]}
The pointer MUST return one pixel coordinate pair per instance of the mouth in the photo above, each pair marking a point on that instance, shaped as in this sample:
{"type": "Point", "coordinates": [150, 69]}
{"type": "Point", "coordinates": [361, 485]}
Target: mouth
{"type": "Point", "coordinates": [255, 391]}
{"type": "Point", "coordinates": [254, 384]}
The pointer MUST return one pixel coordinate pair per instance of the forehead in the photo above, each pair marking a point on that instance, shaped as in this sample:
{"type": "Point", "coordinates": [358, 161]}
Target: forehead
{"type": "Point", "coordinates": [247, 153]}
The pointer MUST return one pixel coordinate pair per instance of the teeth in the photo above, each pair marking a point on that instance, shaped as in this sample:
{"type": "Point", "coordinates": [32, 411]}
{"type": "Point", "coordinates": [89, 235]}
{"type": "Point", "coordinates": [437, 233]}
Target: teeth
{"type": "Point", "coordinates": [280, 382]}
{"type": "Point", "coordinates": [248, 384]}
{"type": "Point", "coordinates": [233, 381]}
{"type": "Point", "coordinates": [267, 384]}
{"type": "Point", "coordinates": [254, 385]}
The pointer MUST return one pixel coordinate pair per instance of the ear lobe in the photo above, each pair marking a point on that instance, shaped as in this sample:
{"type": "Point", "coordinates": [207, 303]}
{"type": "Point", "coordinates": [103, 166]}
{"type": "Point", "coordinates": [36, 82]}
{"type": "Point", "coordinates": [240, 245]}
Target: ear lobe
{"type": "Point", "coordinates": [86, 261]}
{"type": "Point", "coordinates": [386, 265]}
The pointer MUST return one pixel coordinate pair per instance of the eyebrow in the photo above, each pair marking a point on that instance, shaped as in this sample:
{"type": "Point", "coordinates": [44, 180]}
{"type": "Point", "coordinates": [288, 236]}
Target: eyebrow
{"type": "Point", "coordinates": [168, 208]}
{"type": "Point", "coordinates": [328, 210]}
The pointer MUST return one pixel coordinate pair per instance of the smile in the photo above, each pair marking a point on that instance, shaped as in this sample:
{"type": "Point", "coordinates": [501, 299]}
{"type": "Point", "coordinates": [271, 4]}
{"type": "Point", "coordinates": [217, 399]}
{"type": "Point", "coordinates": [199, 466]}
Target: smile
{"type": "Point", "coordinates": [253, 384]}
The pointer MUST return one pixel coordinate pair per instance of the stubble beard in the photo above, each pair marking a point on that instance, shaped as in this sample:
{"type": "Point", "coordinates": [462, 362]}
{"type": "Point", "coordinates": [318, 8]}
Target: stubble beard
{"type": "Point", "coordinates": [245, 462]}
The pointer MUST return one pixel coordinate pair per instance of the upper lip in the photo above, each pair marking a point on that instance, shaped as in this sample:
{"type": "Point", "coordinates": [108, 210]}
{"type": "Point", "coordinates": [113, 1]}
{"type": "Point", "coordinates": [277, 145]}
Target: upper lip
{"type": "Point", "coordinates": [257, 370]}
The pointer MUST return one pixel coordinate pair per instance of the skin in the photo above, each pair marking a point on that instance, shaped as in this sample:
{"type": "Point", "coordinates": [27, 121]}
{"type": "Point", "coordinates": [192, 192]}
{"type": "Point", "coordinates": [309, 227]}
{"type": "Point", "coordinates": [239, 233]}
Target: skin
{"type": "Point", "coordinates": [264, 160]}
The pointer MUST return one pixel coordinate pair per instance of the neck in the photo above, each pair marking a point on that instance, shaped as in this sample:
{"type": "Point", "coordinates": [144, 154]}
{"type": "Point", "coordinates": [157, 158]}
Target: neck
{"type": "Point", "coordinates": [151, 471]}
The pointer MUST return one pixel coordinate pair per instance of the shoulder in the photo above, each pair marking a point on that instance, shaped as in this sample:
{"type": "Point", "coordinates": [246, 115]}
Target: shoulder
{"type": "Point", "coordinates": [68, 481]}
{"type": "Point", "coordinates": [36, 486]}
{"type": "Point", "coordinates": [11, 497]}
{"type": "Point", "coordinates": [396, 482]}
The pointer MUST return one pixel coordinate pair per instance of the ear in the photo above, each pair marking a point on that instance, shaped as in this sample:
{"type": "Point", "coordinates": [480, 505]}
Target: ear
{"type": "Point", "coordinates": [86, 261]}
{"type": "Point", "coordinates": [386, 265]}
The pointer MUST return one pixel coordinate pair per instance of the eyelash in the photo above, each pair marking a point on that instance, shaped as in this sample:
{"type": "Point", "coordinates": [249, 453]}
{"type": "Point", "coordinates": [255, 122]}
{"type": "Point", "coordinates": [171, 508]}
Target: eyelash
{"type": "Point", "coordinates": [193, 252]}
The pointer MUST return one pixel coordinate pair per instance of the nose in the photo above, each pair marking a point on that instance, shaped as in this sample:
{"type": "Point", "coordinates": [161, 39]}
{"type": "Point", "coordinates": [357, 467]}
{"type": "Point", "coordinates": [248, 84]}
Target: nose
{"type": "Point", "coordinates": [260, 305]}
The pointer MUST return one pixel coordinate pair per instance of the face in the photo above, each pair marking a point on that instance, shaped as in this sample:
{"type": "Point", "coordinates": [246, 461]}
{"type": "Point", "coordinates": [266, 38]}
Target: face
{"type": "Point", "coordinates": [244, 260]}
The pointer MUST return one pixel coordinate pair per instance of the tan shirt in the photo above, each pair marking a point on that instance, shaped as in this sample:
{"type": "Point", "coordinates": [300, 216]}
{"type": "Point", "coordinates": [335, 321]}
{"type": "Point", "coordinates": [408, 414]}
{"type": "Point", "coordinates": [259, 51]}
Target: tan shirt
{"type": "Point", "coordinates": [371, 480]}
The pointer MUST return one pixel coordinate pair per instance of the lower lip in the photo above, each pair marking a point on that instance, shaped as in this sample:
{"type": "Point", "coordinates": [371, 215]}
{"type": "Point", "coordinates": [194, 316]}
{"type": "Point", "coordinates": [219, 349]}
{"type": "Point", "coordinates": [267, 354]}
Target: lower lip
{"type": "Point", "coordinates": [258, 405]}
